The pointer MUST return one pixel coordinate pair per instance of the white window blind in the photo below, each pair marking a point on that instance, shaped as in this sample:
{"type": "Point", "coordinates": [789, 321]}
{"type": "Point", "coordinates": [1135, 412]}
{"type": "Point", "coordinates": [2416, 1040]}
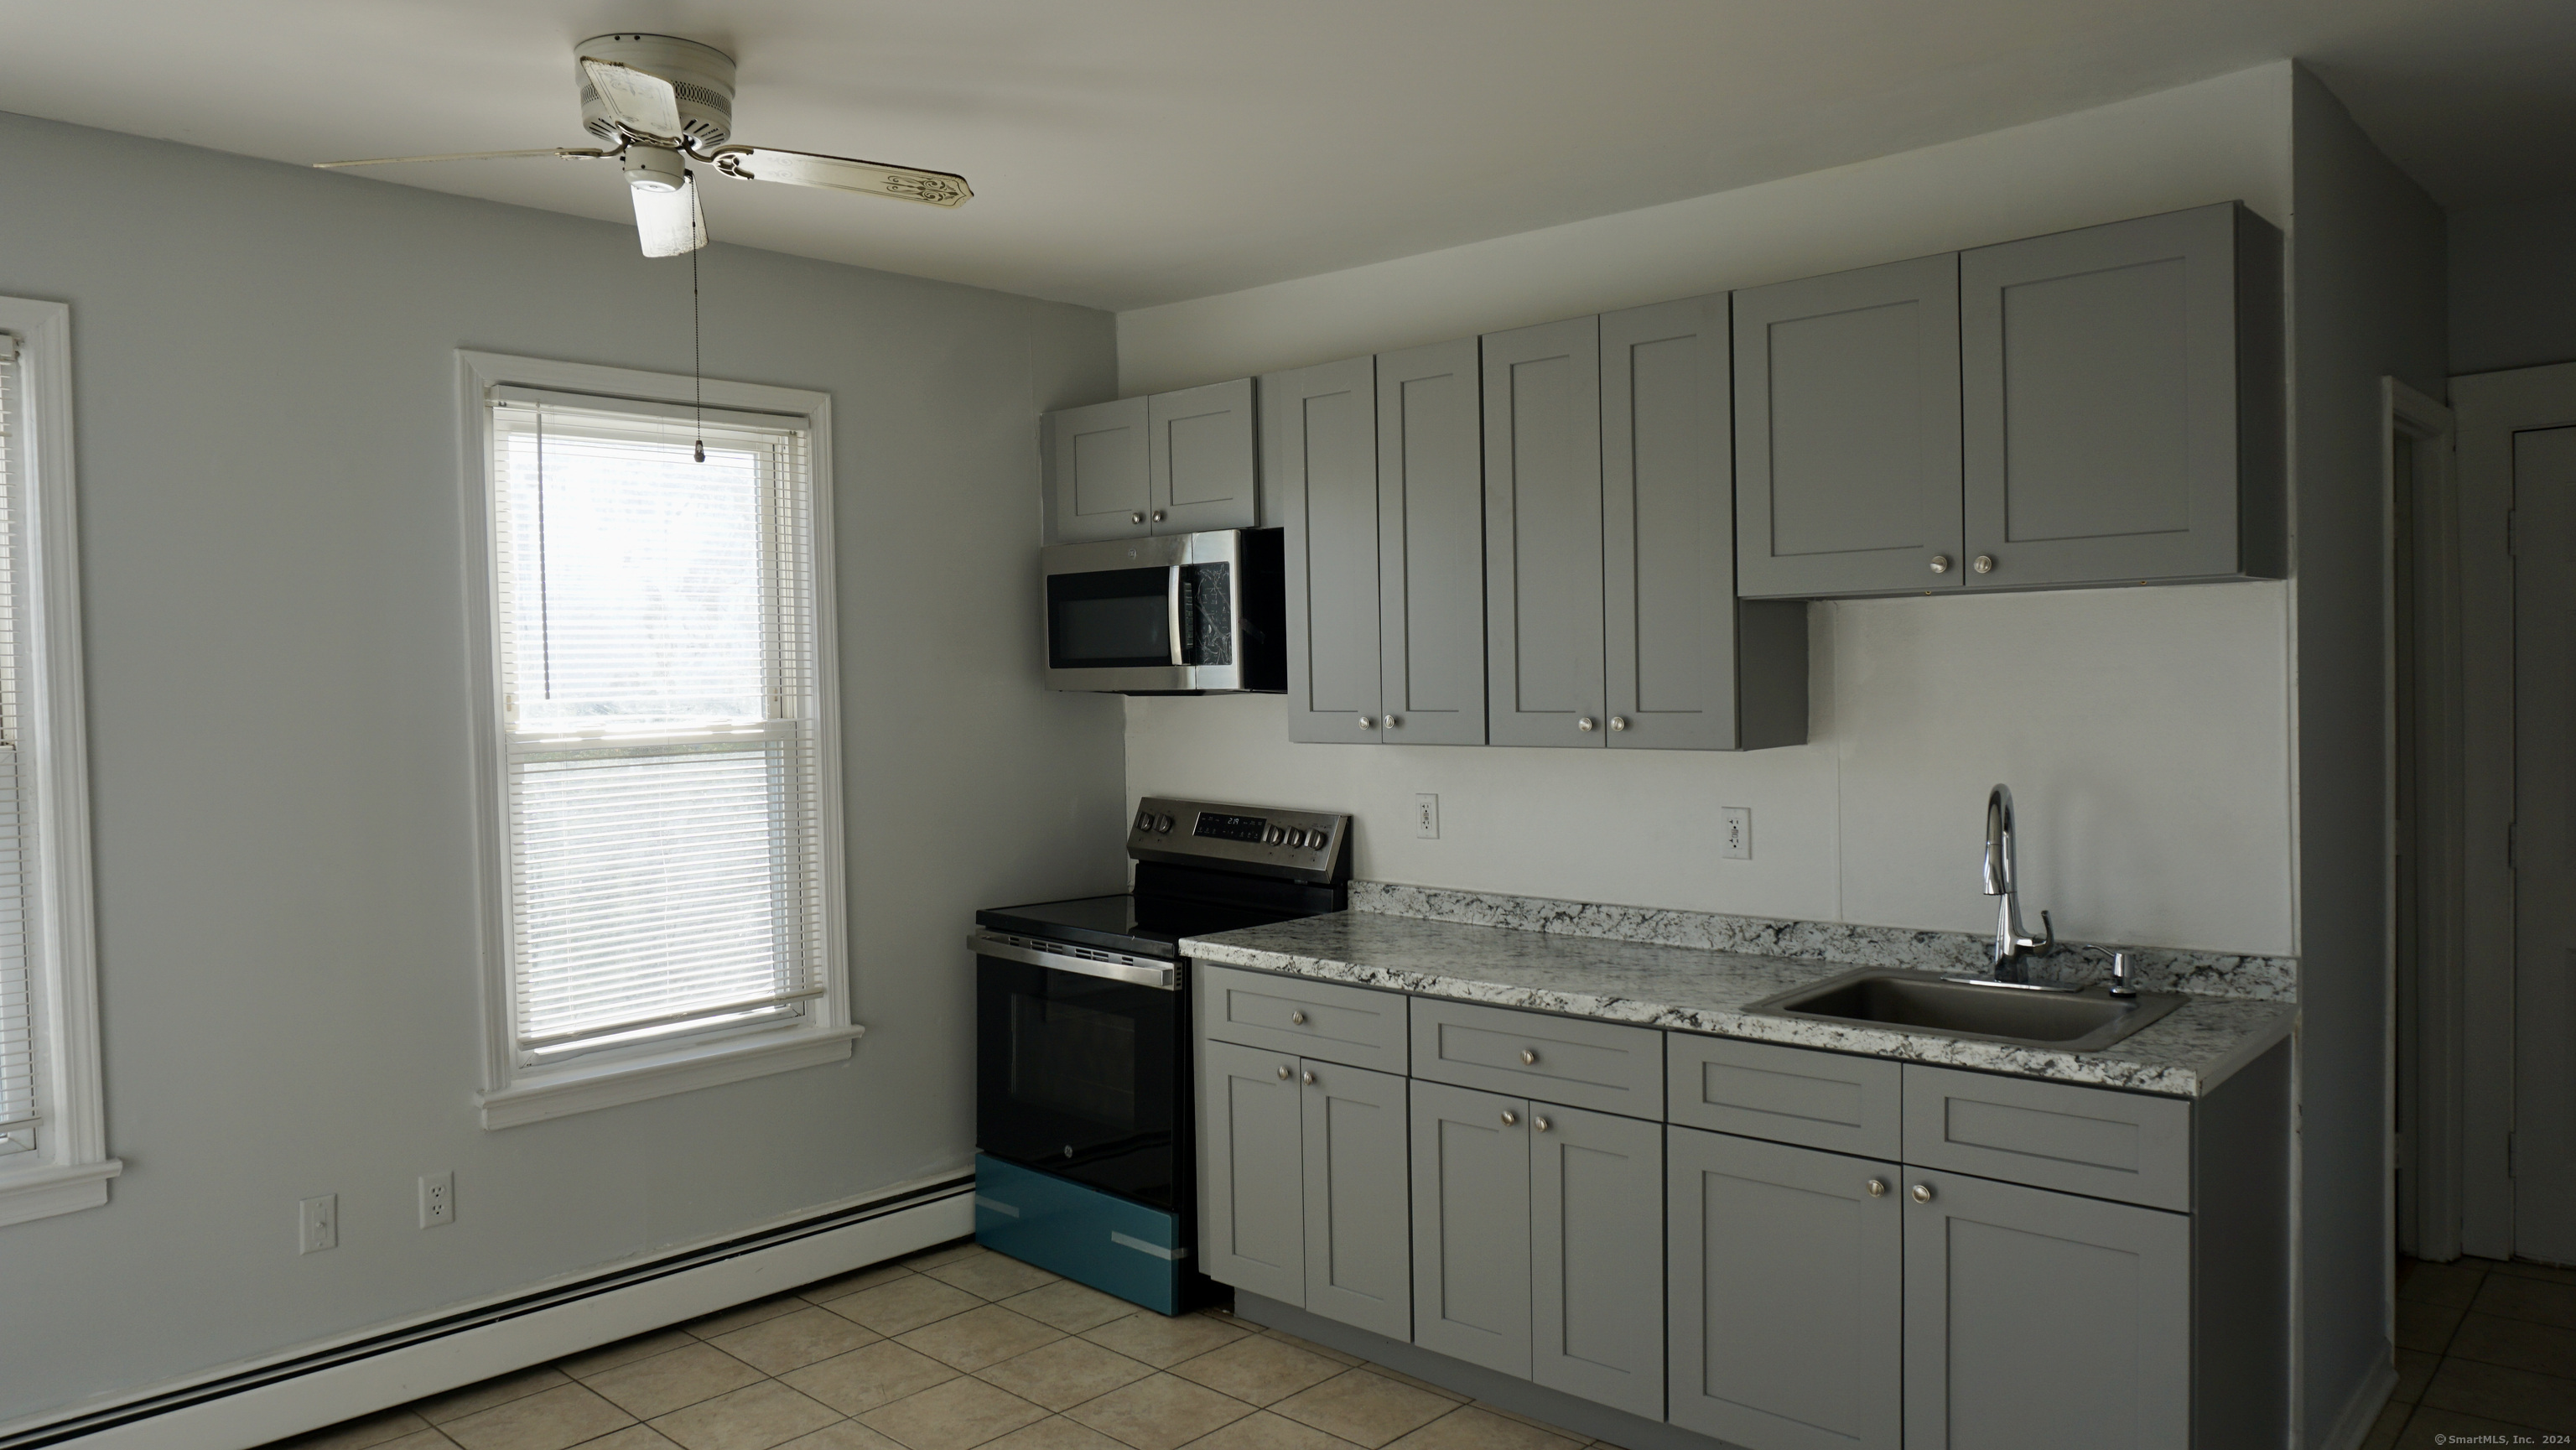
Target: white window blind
{"type": "Point", "coordinates": [660, 702]}
{"type": "Point", "coordinates": [21, 1115]}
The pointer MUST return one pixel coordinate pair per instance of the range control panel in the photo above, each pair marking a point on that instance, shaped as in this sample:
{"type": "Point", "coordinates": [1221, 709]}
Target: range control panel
{"type": "Point", "coordinates": [1299, 845]}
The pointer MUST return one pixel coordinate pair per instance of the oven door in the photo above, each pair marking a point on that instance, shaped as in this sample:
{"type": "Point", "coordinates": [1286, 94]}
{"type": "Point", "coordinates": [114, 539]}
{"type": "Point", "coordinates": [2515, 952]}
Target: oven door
{"type": "Point", "coordinates": [1145, 616]}
{"type": "Point", "coordinates": [1082, 1076]}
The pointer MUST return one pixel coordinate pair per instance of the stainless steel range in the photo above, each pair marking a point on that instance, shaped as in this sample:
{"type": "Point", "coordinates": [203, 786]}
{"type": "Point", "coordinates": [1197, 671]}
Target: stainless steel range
{"type": "Point", "coordinates": [1083, 1108]}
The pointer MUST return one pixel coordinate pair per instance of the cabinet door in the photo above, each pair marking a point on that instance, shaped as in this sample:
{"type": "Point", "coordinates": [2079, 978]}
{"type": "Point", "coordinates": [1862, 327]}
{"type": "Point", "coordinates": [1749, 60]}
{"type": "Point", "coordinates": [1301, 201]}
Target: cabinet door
{"type": "Point", "coordinates": [1320, 431]}
{"type": "Point", "coordinates": [1097, 474]}
{"type": "Point", "coordinates": [1471, 1259]}
{"type": "Point", "coordinates": [2037, 1320]}
{"type": "Point", "coordinates": [1359, 1243]}
{"type": "Point", "coordinates": [1597, 1257]}
{"type": "Point", "coordinates": [2100, 376]}
{"type": "Point", "coordinates": [1201, 456]}
{"type": "Point", "coordinates": [1787, 1295]}
{"type": "Point", "coordinates": [1543, 534]}
{"type": "Point", "coordinates": [1431, 545]}
{"type": "Point", "coordinates": [1252, 1205]}
{"type": "Point", "coordinates": [1847, 432]}
{"type": "Point", "coordinates": [1668, 527]}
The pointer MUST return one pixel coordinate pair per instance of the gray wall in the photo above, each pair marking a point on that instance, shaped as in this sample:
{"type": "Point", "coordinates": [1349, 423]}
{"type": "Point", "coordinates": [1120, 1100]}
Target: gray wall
{"type": "Point", "coordinates": [2367, 302]}
{"type": "Point", "coordinates": [2513, 284]}
{"type": "Point", "coordinates": [271, 518]}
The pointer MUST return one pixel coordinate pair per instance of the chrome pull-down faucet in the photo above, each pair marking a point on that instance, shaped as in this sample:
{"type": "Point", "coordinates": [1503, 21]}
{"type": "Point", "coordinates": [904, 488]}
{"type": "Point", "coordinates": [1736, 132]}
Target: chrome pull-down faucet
{"type": "Point", "coordinates": [2015, 948]}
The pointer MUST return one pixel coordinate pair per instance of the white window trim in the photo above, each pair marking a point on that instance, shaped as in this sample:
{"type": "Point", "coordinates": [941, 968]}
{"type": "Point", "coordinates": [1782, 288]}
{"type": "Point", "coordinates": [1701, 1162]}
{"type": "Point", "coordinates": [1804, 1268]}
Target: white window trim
{"type": "Point", "coordinates": [71, 1166]}
{"type": "Point", "coordinates": [513, 1094]}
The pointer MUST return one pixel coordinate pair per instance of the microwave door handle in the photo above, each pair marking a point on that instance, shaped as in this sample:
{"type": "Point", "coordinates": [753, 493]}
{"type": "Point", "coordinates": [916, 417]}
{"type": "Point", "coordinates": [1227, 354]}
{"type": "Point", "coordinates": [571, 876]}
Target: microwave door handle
{"type": "Point", "coordinates": [1172, 610]}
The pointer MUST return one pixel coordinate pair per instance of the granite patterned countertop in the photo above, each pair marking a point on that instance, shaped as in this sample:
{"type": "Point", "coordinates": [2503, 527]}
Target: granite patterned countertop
{"type": "Point", "coordinates": [1691, 989]}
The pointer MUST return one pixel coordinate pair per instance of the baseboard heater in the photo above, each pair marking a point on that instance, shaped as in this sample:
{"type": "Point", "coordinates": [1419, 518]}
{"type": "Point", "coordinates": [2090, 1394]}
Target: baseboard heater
{"type": "Point", "coordinates": [305, 1391]}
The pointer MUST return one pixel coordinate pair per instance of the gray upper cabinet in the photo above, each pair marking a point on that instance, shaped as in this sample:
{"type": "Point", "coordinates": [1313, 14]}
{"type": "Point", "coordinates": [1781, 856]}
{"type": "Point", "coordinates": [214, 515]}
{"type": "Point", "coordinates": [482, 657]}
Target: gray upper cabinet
{"type": "Point", "coordinates": [2120, 402]}
{"type": "Point", "coordinates": [1543, 602]}
{"type": "Point", "coordinates": [1098, 482]}
{"type": "Point", "coordinates": [1687, 666]}
{"type": "Point", "coordinates": [1431, 546]}
{"type": "Point", "coordinates": [1173, 463]}
{"type": "Point", "coordinates": [1787, 1295]}
{"type": "Point", "coordinates": [2038, 1320]}
{"type": "Point", "coordinates": [1199, 452]}
{"type": "Point", "coordinates": [1320, 431]}
{"type": "Point", "coordinates": [1596, 1261]}
{"type": "Point", "coordinates": [1471, 1222]}
{"type": "Point", "coordinates": [1847, 432]}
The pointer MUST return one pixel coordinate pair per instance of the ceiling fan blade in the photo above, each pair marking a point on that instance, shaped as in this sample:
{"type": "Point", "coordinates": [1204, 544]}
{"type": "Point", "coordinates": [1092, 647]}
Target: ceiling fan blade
{"type": "Point", "coordinates": [645, 104]}
{"type": "Point", "coordinates": [840, 173]}
{"type": "Point", "coordinates": [669, 223]}
{"type": "Point", "coordinates": [568, 153]}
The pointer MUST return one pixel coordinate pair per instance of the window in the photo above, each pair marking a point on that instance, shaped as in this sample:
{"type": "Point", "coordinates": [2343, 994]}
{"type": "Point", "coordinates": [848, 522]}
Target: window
{"type": "Point", "coordinates": [53, 1156]}
{"type": "Point", "coordinates": [663, 799]}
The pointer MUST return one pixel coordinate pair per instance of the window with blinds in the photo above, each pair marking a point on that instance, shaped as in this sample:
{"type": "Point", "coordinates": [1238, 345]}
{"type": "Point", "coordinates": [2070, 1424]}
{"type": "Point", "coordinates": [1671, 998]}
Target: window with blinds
{"type": "Point", "coordinates": [21, 1112]}
{"type": "Point", "coordinates": [661, 700]}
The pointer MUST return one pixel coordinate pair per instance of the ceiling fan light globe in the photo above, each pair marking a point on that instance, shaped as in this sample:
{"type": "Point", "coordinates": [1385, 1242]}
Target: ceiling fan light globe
{"type": "Point", "coordinates": [655, 168]}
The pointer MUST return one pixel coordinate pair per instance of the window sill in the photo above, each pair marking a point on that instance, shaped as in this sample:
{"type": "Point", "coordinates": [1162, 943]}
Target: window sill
{"type": "Point", "coordinates": [558, 1094]}
{"type": "Point", "coordinates": [32, 1193]}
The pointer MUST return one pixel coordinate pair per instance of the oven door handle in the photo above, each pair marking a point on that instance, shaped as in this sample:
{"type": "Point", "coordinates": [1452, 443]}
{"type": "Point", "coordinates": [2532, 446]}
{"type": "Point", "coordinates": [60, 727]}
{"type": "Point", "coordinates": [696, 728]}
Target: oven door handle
{"type": "Point", "coordinates": [1172, 611]}
{"type": "Point", "coordinates": [1161, 978]}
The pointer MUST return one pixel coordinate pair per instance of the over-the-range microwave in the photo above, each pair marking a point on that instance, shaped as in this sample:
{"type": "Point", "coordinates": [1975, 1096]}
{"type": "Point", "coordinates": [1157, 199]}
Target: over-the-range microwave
{"type": "Point", "coordinates": [1179, 614]}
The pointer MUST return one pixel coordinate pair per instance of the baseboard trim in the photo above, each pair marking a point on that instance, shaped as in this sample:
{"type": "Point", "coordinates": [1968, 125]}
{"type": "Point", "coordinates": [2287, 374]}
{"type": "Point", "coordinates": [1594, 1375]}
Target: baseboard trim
{"type": "Point", "coordinates": [323, 1385]}
{"type": "Point", "coordinates": [2362, 1410]}
{"type": "Point", "coordinates": [1492, 1386]}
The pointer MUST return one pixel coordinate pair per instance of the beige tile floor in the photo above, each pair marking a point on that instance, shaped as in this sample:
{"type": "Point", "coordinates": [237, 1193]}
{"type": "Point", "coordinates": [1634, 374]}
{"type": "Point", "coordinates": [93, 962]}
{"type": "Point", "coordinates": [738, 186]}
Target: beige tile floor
{"type": "Point", "coordinates": [949, 1349]}
{"type": "Point", "coordinates": [2483, 1348]}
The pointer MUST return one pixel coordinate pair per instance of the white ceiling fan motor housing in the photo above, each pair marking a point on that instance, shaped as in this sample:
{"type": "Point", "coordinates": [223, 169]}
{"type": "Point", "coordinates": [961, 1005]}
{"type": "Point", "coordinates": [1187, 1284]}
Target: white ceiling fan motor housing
{"type": "Point", "coordinates": [702, 74]}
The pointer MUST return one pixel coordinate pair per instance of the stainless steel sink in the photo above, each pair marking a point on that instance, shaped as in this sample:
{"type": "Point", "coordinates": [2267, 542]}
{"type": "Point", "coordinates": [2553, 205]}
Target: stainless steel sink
{"type": "Point", "coordinates": [2085, 1021]}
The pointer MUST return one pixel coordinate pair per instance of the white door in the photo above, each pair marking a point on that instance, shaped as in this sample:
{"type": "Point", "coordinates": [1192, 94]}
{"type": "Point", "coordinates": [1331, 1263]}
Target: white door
{"type": "Point", "coordinates": [2544, 1127]}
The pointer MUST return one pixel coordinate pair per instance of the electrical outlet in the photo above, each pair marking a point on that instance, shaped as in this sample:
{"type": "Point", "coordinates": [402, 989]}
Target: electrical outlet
{"type": "Point", "coordinates": [1426, 817]}
{"type": "Point", "coordinates": [317, 1224]}
{"type": "Point", "coordinates": [1735, 832]}
{"type": "Point", "coordinates": [437, 1198]}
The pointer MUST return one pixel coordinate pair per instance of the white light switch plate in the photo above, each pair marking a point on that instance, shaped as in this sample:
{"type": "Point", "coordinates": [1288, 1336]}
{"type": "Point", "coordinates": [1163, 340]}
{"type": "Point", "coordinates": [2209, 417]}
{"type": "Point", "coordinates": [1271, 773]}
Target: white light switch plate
{"type": "Point", "coordinates": [317, 1224]}
{"type": "Point", "coordinates": [1735, 832]}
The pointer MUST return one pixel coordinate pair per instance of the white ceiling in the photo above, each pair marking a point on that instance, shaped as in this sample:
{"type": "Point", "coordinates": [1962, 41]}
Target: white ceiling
{"type": "Point", "coordinates": [1131, 152]}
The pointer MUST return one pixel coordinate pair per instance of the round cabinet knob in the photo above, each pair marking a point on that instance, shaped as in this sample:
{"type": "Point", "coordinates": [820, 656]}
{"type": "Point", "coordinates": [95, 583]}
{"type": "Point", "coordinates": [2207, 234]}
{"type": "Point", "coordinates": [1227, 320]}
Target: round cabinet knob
{"type": "Point", "coordinates": [1618, 722]}
{"type": "Point", "coordinates": [1922, 1193]}
{"type": "Point", "coordinates": [1940, 563]}
{"type": "Point", "coordinates": [1985, 563]}
{"type": "Point", "coordinates": [1158, 516]}
{"type": "Point", "coordinates": [1367, 724]}
{"type": "Point", "coordinates": [1298, 1018]}
{"type": "Point", "coordinates": [1529, 1057]}
{"type": "Point", "coordinates": [1393, 720]}
{"type": "Point", "coordinates": [1511, 1119]}
{"type": "Point", "coordinates": [1877, 1187]}
{"type": "Point", "coordinates": [1283, 1072]}
{"type": "Point", "coordinates": [1135, 518]}
{"type": "Point", "coordinates": [1583, 723]}
{"type": "Point", "coordinates": [1310, 1079]}
{"type": "Point", "coordinates": [1538, 1122]}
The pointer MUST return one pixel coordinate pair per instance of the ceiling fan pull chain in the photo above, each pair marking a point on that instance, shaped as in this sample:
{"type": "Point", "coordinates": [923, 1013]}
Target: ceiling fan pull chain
{"type": "Point", "coordinates": [697, 369]}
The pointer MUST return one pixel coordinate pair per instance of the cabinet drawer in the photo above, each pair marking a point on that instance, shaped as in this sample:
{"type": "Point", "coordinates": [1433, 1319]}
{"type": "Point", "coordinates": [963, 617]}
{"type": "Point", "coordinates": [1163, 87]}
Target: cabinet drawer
{"type": "Point", "coordinates": [1360, 1026]}
{"type": "Point", "coordinates": [1599, 1065]}
{"type": "Point", "coordinates": [2092, 1141]}
{"type": "Point", "coordinates": [1826, 1100]}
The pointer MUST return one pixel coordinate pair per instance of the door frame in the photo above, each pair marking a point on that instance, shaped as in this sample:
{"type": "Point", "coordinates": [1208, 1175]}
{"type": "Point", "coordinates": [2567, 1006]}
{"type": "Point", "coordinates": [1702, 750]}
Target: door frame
{"type": "Point", "coordinates": [2489, 408]}
{"type": "Point", "coordinates": [2425, 1219]}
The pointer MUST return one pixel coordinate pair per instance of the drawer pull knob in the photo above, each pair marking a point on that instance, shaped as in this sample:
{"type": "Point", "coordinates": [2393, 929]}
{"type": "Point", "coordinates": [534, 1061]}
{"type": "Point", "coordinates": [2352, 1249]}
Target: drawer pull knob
{"type": "Point", "coordinates": [1297, 1018]}
{"type": "Point", "coordinates": [1878, 1188]}
{"type": "Point", "coordinates": [1310, 1078]}
{"type": "Point", "coordinates": [1511, 1119]}
{"type": "Point", "coordinates": [1529, 1057]}
{"type": "Point", "coordinates": [1923, 1193]}
{"type": "Point", "coordinates": [1538, 1122]}
{"type": "Point", "coordinates": [1283, 1072]}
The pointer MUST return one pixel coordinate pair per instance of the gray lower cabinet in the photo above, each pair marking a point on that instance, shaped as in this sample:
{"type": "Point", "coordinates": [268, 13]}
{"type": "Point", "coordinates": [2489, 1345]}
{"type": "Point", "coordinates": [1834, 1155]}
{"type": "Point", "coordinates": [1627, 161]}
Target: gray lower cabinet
{"type": "Point", "coordinates": [1099, 485]}
{"type": "Point", "coordinates": [2038, 1320]}
{"type": "Point", "coordinates": [1847, 433]}
{"type": "Point", "coordinates": [1537, 1240]}
{"type": "Point", "coordinates": [1303, 1178]}
{"type": "Point", "coordinates": [1543, 564]}
{"type": "Point", "coordinates": [2121, 403]}
{"type": "Point", "coordinates": [1173, 463]}
{"type": "Point", "coordinates": [1787, 1305]}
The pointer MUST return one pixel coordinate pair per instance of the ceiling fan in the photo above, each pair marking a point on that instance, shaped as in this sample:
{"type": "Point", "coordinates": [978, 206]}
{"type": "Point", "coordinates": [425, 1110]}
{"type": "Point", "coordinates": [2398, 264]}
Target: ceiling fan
{"type": "Point", "coordinates": [665, 102]}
